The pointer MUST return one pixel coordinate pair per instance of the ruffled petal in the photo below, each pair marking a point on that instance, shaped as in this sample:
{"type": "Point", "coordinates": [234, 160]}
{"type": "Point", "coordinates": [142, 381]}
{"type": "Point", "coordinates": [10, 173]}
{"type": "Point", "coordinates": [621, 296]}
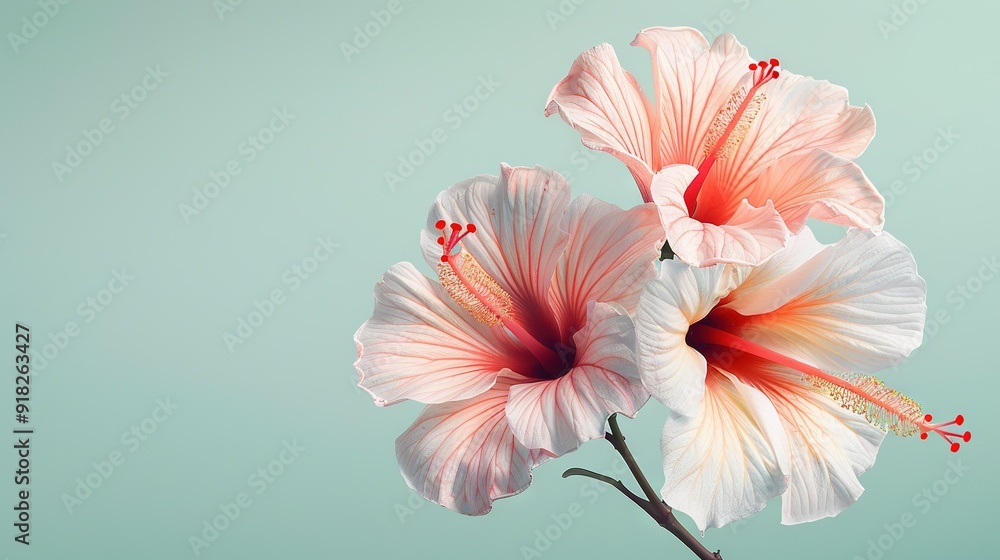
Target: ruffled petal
{"type": "Point", "coordinates": [674, 372]}
{"type": "Point", "coordinates": [830, 445]}
{"type": "Point", "coordinates": [463, 456]}
{"type": "Point", "coordinates": [518, 239]}
{"type": "Point", "coordinates": [609, 109]}
{"type": "Point", "coordinates": [725, 462]}
{"type": "Point", "coordinates": [798, 115]}
{"type": "Point", "coordinates": [558, 416]}
{"type": "Point", "coordinates": [420, 345]}
{"type": "Point", "coordinates": [820, 185]}
{"type": "Point", "coordinates": [692, 83]}
{"type": "Point", "coordinates": [609, 257]}
{"type": "Point", "coordinates": [749, 236]}
{"type": "Point", "coordinates": [856, 306]}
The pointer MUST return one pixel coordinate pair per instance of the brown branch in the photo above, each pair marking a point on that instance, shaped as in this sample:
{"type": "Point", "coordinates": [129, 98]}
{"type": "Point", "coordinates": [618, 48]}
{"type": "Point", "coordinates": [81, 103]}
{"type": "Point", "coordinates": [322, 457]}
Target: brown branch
{"type": "Point", "coordinates": [655, 507]}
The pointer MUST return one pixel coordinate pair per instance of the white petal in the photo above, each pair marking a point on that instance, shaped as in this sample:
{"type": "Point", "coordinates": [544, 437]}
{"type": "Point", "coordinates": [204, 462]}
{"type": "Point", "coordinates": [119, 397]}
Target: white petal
{"type": "Point", "coordinates": [857, 306]}
{"type": "Point", "coordinates": [674, 372]}
{"type": "Point", "coordinates": [830, 445]}
{"type": "Point", "coordinates": [725, 462]}
{"type": "Point", "coordinates": [830, 448]}
{"type": "Point", "coordinates": [463, 456]}
{"type": "Point", "coordinates": [768, 286]}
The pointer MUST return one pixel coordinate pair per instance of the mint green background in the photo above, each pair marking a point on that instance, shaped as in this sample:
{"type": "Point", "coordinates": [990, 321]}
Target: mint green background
{"type": "Point", "coordinates": [324, 176]}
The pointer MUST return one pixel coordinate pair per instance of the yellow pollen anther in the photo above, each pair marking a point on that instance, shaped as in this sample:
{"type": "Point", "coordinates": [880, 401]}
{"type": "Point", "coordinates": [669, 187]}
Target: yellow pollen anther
{"type": "Point", "coordinates": [475, 290]}
{"type": "Point", "coordinates": [868, 396]}
{"type": "Point", "coordinates": [726, 116]}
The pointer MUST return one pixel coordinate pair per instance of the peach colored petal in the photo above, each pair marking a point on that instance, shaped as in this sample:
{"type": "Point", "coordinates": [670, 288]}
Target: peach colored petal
{"type": "Point", "coordinates": [518, 239]}
{"type": "Point", "coordinates": [606, 105]}
{"type": "Point", "coordinates": [609, 257]}
{"type": "Point", "coordinates": [420, 345]}
{"type": "Point", "coordinates": [818, 184]}
{"type": "Point", "coordinates": [558, 416]}
{"type": "Point", "coordinates": [749, 236]}
{"type": "Point", "coordinates": [692, 82]}
{"type": "Point", "coordinates": [798, 115]}
{"type": "Point", "coordinates": [463, 456]}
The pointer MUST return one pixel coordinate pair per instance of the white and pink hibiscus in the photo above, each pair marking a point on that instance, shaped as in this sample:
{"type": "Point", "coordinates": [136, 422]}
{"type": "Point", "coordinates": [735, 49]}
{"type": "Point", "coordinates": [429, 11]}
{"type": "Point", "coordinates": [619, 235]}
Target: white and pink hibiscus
{"type": "Point", "coordinates": [736, 153]}
{"type": "Point", "coordinates": [523, 346]}
{"type": "Point", "coordinates": [762, 368]}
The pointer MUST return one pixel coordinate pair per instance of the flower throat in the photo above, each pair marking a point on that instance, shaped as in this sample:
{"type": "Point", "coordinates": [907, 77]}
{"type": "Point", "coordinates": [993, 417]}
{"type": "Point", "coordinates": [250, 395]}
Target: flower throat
{"type": "Point", "coordinates": [481, 296]}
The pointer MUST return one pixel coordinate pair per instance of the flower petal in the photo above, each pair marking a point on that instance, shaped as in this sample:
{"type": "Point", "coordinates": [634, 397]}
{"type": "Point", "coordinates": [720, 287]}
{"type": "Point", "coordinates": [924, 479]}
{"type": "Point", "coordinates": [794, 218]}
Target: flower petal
{"type": "Point", "coordinates": [518, 239]}
{"type": "Point", "coordinates": [420, 345]}
{"type": "Point", "coordinates": [463, 456]}
{"type": "Point", "coordinates": [830, 445]}
{"type": "Point", "coordinates": [799, 115]}
{"type": "Point", "coordinates": [692, 82]}
{"type": "Point", "coordinates": [609, 257]}
{"type": "Point", "coordinates": [606, 105]}
{"type": "Point", "coordinates": [558, 416]}
{"type": "Point", "coordinates": [674, 372]}
{"type": "Point", "coordinates": [857, 306]}
{"type": "Point", "coordinates": [725, 462]}
{"type": "Point", "coordinates": [821, 185]}
{"type": "Point", "coordinates": [750, 235]}
{"type": "Point", "coordinates": [755, 290]}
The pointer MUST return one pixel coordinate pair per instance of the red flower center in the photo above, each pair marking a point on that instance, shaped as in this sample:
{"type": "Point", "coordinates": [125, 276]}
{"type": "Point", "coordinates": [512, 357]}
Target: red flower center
{"type": "Point", "coordinates": [484, 298]}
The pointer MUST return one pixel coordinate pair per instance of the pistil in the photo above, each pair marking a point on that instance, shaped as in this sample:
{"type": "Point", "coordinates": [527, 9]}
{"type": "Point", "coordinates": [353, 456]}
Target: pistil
{"type": "Point", "coordinates": [736, 118]}
{"type": "Point", "coordinates": [866, 395]}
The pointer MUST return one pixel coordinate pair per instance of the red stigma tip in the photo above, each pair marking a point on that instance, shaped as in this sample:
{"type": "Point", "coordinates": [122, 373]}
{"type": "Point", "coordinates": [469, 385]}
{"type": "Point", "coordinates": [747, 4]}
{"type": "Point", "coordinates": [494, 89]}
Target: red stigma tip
{"type": "Point", "coordinates": [456, 227]}
{"type": "Point", "coordinates": [440, 224]}
{"type": "Point", "coordinates": [774, 62]}
{"type": "Point", "coordinates": [762, 63]}
{"type": "Point", "coordinates": [753, 66]}
{"type": "Point", "coordinates": [440, 241]}
{"type": "Point", "coordinates": [774, 75]}
{"type": "Point", "coordinates": [444, 258]}
{"type": "Point", "coordinates": [951, 437]}
{"type": "Point", "coordinates": [471, 228]}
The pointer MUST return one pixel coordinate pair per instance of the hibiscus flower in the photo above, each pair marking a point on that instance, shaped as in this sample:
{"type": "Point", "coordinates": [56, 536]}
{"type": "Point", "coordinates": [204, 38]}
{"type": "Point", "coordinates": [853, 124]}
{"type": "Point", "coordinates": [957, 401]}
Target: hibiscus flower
{"type": "Point", "coordinates": [523, 346]}
{"type": "Point", "coordinates": [736, 153]}
{"type": "Point", "coordinates": [761, 368]}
